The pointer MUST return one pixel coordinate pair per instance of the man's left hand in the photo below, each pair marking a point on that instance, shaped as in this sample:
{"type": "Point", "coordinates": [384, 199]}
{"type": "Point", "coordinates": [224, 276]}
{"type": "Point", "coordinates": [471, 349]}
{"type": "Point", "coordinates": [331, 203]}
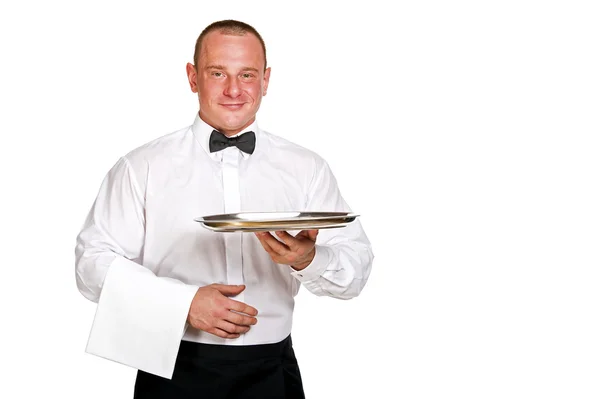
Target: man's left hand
{"type": "Point", "coordinates": [297, 251]}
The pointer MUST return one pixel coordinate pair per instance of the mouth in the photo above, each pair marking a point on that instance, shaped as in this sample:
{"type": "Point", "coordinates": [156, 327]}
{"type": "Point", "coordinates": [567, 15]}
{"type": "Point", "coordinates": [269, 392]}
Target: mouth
{"type": "Point", "coordinates": [233, 107]}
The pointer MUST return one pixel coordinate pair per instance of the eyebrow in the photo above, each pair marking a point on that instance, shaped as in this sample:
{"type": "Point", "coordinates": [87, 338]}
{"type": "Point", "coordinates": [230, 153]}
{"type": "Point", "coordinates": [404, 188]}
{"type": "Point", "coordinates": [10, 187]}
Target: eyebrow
{"type": "Point", "coordinates": [222, 67]}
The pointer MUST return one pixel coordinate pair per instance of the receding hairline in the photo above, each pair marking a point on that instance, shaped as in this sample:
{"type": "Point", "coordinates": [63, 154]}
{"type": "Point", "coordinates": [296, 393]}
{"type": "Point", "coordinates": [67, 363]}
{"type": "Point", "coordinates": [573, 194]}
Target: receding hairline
{"type": "Point", "coordinates": [232, 28]}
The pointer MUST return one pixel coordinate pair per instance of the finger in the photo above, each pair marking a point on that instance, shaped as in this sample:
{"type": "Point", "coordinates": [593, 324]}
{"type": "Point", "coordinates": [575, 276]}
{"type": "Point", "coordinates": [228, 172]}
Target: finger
{"type": "Point", "coordinates": [229, 290]}
{"type": "Point", "coordinates": [240, 319]}
{"type": "Point", "coordinates": [265, 245]}
{"type": "Point", "coordinates": [277, 246]}
{"type": "Point", "coordinates": [223, 334]}
{"type": "Point", "coordinates": [267, 240]}
{"type": "Point", "coordinates": [231, 328]}
{"type": "Point", "coordinates": [288, 239]}
{"type": "Point", "coordinates": [241, 307]}
{"type": "Point", "coordinates": [310, 234]}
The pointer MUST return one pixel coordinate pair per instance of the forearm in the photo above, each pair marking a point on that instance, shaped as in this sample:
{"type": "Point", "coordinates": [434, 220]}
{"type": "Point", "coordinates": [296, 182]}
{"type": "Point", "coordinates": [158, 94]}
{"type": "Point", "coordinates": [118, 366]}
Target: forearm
{"type": "Point", "coordinates": [92, 270]}
{"type": "Point", "coordinates": [94, 265]}
{"type": "Point", "coordinates": [91, 267]}
{"type": "Point", "coordinates": [338, 270]}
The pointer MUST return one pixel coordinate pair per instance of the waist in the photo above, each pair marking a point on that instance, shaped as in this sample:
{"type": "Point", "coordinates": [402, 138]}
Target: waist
{"type": "Point", "coordinates": [234, 352]}
{"type": "Point", "coordinates": [271, 327]}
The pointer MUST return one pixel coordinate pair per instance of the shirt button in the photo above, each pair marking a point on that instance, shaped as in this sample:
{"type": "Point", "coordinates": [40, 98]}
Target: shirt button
{"type": "Point", "coordinates": [300, 275]}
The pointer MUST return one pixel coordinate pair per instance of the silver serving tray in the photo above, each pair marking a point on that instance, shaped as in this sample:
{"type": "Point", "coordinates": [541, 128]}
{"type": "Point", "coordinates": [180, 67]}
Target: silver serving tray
{"type": "Point", "coordinates": [273, 221]}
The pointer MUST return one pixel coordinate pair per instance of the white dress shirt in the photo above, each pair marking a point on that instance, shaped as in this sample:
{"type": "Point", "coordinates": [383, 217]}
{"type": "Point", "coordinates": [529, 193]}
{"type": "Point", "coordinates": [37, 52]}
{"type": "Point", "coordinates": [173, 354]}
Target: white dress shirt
{"type": "Point", "coordinates": [142, 256]}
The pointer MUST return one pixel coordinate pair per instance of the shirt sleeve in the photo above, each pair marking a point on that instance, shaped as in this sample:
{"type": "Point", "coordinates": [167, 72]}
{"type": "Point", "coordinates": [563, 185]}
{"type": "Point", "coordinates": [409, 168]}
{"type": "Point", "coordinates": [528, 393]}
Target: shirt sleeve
{"type": "Point", "coordinates": [140, 318]}
{"type": "Point", "coordinates": [343, 256]}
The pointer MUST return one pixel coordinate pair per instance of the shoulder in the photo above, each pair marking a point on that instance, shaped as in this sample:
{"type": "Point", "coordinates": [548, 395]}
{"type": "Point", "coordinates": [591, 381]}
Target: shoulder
{"type": "Point", "coordinates": [165, 146]}
{"type": "Point", "coordinates": [160, 150]}
{"type": "Point", "coordinates": [156, 153]}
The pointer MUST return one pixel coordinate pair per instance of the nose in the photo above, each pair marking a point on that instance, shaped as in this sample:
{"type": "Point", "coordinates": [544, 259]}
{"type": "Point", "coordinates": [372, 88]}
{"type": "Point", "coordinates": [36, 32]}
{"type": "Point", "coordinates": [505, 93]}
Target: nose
{"type": "Point", "coordinates": [232, 89]}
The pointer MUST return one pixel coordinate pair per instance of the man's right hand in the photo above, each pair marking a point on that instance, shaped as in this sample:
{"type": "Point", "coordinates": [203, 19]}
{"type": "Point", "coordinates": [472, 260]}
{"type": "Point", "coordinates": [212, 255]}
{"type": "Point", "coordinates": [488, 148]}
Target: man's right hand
{"type": "Point", "coordinates": [212, 311]}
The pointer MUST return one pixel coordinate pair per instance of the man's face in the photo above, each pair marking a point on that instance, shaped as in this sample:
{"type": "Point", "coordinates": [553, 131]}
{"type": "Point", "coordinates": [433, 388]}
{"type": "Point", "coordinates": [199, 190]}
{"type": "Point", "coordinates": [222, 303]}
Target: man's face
{"type": "Point", "coordinates": [230, 80]}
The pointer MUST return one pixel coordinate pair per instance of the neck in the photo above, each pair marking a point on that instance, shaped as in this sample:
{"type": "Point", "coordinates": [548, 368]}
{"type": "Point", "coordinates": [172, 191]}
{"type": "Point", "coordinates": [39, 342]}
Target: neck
{"type": "Point", "coordinates": [223, 130]}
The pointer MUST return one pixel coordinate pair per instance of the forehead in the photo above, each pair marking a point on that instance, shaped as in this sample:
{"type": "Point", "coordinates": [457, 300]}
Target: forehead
{"type": "Point", "coordinates": [231, 50]}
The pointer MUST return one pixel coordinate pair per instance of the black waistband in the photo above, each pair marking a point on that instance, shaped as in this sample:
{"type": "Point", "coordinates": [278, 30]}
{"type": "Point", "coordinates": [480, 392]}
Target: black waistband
{"type": "Point", "coordinates": [235, 352]}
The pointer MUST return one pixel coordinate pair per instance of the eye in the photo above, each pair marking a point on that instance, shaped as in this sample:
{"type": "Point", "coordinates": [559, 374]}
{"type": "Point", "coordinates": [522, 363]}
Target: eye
{"type": "Point", "coordinates": [217, 74]}
{"type": "Point", "coordinates": [247, 75]}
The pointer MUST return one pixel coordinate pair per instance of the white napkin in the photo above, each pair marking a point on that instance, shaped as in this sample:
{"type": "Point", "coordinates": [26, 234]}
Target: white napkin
{"type": "Point", "coordinates": [140, 318]}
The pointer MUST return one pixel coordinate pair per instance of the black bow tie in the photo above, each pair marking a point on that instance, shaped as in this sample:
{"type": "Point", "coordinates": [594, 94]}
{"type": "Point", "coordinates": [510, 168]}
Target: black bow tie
{"type": "Point", "coordinates": [245, 142]}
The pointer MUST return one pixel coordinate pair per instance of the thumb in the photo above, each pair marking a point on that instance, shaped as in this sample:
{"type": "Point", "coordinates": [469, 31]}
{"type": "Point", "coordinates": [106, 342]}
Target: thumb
{"type": "Point", "coordinates": [229, 290]}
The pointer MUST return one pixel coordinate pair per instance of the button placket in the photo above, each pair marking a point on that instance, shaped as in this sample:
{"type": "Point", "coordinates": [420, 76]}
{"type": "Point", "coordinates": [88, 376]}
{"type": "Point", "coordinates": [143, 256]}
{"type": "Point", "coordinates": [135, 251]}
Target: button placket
{"type": "Point", "coordinates": [233, 241]}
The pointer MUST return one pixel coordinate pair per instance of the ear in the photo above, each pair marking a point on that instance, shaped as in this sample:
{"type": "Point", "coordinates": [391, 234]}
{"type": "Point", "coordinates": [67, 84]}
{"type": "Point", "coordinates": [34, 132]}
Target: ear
{"type": "Point", "coordinates": [192, 77]}
{"type": "Point", "coordinates": [266, 80]}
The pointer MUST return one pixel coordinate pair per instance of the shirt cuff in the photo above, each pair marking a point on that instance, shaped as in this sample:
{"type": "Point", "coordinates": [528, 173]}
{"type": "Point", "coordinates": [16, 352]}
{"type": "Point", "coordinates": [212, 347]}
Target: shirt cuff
{"type": "Point", "coordinates": [317, 267]}
{"type": "Point", "coordinates": [140, 318]}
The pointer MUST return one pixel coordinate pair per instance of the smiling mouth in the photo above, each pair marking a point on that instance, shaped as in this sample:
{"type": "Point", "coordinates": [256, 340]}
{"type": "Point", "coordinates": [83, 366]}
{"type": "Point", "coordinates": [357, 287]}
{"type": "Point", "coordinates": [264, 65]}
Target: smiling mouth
{"type": "Point", "coordinates": [233, 106]}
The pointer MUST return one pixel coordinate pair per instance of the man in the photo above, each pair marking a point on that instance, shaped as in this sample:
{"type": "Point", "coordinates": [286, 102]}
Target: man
{"type": "Point", "coordinates": [199, 313]}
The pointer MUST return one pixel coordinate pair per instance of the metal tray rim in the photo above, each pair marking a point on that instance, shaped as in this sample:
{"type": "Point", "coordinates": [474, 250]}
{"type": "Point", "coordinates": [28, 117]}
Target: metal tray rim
{"type": "Point", "coordinates": [256, 229]}
{"type": "Point", "coordinates": [235, 217]}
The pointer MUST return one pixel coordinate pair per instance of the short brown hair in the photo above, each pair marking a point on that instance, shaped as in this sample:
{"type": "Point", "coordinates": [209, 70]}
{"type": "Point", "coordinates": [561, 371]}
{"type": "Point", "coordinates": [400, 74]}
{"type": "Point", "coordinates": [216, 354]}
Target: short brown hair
{"type": "Point", "coordinates": [229, 27]}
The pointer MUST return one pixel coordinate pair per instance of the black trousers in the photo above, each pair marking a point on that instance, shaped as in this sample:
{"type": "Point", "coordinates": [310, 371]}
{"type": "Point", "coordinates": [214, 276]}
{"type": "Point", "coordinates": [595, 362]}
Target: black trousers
{"type": "Point", "coordinates": [223, 371]}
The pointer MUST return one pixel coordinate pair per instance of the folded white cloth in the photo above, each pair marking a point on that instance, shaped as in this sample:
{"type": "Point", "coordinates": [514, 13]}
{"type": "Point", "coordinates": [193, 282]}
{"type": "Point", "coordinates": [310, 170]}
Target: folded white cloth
{"type": "Point", "coordinates": [140, 318]}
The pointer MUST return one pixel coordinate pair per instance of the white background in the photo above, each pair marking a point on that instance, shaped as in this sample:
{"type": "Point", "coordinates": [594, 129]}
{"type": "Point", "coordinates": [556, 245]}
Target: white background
{"type": "Point", "coordinates": [465, 133]}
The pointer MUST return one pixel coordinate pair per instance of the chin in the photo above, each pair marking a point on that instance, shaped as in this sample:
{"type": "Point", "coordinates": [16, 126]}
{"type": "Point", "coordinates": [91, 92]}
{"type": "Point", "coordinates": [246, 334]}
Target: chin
{"type": "Point", "coordinates": [236, 124]}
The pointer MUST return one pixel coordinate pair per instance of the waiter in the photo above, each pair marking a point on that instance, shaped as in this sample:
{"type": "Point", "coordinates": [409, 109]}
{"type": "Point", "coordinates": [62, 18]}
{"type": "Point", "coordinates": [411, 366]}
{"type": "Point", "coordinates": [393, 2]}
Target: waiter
{"type": "Point", "coordinates": [204, 314]}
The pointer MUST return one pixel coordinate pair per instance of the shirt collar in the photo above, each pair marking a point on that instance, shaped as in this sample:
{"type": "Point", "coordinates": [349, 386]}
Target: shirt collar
{"type": "Point", "coordinates": [203, 130]}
